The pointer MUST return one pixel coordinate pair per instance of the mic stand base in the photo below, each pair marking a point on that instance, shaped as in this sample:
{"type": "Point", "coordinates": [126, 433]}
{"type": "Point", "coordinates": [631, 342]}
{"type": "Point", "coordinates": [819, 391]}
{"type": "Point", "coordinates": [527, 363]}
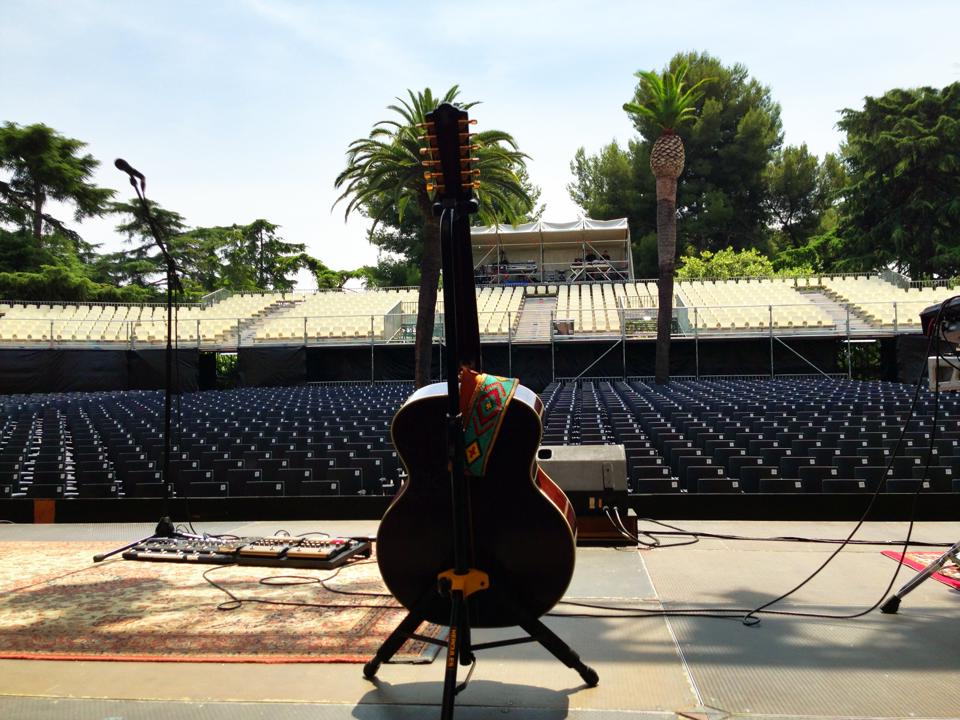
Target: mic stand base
{"type": "Point", "coordinates": [164, 529]}
{"type": "Point", "coordinates": [892, 603]}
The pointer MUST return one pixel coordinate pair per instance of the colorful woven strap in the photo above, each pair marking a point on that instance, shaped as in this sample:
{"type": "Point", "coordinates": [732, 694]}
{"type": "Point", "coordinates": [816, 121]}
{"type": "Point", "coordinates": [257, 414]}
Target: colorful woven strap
{"type": "Point", "coordinates": [483, 400]}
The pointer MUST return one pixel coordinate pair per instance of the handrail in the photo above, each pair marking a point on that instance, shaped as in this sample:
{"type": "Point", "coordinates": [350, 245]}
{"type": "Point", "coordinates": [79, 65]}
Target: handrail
{"type": "Point", "coordinates": [215, 296]}
{"type": "Point", "coordinates": [91, 303]}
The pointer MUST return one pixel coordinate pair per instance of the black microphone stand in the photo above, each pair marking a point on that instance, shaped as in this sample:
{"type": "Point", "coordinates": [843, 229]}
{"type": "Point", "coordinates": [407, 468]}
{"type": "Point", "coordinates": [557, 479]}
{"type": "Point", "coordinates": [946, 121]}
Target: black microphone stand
{"type": "Point", "coordinates": [165, 527]}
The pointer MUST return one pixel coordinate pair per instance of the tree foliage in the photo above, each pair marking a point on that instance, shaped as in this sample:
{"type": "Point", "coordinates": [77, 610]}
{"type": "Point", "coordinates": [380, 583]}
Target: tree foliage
{"type": "Point", "coordinates": [44, 165]}
{"type": "Point", "coordinates": [43, 259]}
{"type": "Point", "coordinates": [736, 130]}
{"type": "Point", "coordinates": [729, 263]}
{"type": "Point", "coordinates": [391, 272]}
{"type": "Point", "coordinates": [721, 198]}
{"type": "Point", "coordinates": [237, 257]}
{"type": "Point", "coordinates": [902, 204]}
{"type": "Point", "coordinates": [801, 192]}
{"type": "Point", "coordinates": [384, 181]}
{"type": "Point", "coordinates": [664, 99]}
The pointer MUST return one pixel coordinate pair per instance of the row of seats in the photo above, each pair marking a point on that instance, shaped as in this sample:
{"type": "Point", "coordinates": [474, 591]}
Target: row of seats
{"type": "Point", "coordinates": [101, 323]}
{"type": "Point", "coordinates": [384, 314]}
{"type": "Point", "coordinates": [708, 436]}
{"type": "Point", "coordinates": [336, 314]}
{"type": "Point", "coordinates": [750, 305]}
{"type": "Point", "coordinates": [307, 440]}
{"type": "Point", "coordinates": [765, 436]}
{"type": "Point", "coordinates": [885, 304]}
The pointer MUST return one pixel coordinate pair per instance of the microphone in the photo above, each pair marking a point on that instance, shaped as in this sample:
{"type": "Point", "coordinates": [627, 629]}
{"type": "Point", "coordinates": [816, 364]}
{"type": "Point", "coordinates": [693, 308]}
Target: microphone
{"type": "Point", "coordinates": [123, 165]}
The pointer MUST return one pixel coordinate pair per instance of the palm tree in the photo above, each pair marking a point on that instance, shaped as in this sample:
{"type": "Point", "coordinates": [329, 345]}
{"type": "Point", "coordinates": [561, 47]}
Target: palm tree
{"type": "Point", "coordinates": [663, 100]}
{"type": "Point", "coordinates": [385, 174]}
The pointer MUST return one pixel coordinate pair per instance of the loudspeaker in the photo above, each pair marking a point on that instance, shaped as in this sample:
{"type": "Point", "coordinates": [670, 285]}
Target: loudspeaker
{"type": "Point", "coordinates": [596, 469]}
{"type": "Point", "coordinates": [594, 477]}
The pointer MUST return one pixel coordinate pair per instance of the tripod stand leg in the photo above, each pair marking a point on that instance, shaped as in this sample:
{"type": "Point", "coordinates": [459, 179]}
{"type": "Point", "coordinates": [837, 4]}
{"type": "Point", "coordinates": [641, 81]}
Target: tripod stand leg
{"type": "Point", "coordinates": [893, 602]}
{"type": "Point", "coordinates": [559, 649]}
{"type": "Point", "coordinates": [453, 652]}
{"type": "Point", "coordinates": [393, 643]}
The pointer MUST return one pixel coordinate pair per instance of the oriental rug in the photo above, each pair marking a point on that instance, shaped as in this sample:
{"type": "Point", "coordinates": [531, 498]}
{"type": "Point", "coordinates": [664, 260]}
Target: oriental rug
{"type": "Point", "coordinates": [949, 574]}
{"type": "Point", "coordinates": [56, 604]}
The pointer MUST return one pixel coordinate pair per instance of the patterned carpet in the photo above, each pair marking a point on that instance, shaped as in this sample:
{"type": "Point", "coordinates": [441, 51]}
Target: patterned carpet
{"type": "Point", "coordinates": [949, 574]}
{"type": "Point", "coordinates": [55, 603]}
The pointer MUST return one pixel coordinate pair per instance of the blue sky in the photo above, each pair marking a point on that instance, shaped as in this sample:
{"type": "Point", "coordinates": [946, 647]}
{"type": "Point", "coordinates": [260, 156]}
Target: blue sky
{"type": "Point", "coordinates": [244, 109]}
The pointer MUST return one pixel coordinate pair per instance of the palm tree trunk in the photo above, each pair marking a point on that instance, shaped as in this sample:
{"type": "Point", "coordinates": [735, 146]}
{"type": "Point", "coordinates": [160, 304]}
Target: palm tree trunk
{"type": "Point", "coordinates": [666, 256]}
{"type": "Point", "coordinates": [427, 303]}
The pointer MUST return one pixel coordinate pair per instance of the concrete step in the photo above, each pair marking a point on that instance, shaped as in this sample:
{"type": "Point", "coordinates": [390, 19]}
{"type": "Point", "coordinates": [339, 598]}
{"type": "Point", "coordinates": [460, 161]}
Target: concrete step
{"type": "Point", "coordinates": [536, 314]}
{"type": "Point", "coordinates": [838, 312]}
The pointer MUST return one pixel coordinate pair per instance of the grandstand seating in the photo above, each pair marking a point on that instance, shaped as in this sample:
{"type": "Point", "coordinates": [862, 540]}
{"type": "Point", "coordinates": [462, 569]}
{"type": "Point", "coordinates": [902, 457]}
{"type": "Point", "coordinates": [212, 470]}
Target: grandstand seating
{"type": "Point", "coordinates": [883, 303]}
{"type": "Point", "coordinates": [733, 436]}
{"type": "Point", "coordinates": [334, 315]}
{"type": "Point", "coordinates": [594, 307]}
{"type": "Point", "coordinates": [387, 315]}
{"type": "Point", "coordinates": [750, 304]}
{"type": "Point", "coordinates": [141, 324]}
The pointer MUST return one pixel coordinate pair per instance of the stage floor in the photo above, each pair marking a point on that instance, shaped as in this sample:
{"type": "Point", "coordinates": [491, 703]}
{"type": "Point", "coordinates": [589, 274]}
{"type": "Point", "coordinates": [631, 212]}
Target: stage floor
{"type": "Point", "coordinates": [879, 666]}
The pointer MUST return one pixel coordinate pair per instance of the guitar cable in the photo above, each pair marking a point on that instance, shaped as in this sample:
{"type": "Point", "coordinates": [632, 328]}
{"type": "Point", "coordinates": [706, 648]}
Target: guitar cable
{"type": "Point", "coordinates": [748, 617]}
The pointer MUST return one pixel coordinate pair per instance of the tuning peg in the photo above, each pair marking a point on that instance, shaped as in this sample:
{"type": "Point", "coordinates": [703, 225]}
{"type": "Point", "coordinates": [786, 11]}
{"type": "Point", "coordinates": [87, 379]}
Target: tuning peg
{"type": "Point", "coordinates": [464, 121]}
{"type": "Point", "coordinates": [431, 187]}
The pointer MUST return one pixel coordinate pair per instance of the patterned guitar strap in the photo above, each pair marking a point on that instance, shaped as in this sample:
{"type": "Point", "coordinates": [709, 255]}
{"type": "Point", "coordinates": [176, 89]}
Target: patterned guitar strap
{"type": "Point", "coordinates": [483, 403]}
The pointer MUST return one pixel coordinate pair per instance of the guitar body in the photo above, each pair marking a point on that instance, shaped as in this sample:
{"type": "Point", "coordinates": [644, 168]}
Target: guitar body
{"type": "Point", "coordinates": [522, 528]}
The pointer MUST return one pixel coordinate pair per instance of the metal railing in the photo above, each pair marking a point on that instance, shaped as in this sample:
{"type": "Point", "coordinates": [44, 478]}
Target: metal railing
{"type": "Point", "coordinates": [398, 325]}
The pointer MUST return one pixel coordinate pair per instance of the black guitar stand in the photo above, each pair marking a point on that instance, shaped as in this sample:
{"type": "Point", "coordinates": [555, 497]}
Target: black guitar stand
{"type": "Point", "coordinates": [461, 582]}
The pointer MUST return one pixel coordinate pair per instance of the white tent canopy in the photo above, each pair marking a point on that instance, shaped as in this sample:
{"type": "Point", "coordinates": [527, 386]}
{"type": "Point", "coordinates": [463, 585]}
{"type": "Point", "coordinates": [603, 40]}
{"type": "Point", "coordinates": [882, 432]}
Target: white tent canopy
{"type": "Point", "coordinates": [584, 229]}
{"type": "Point", "coordinates": [539, 251]}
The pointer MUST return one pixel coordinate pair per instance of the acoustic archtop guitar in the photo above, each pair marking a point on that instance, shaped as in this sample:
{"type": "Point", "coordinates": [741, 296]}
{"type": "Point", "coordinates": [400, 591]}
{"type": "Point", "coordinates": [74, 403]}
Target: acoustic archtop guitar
{"type": "Point", "coordinates": [521, 529]}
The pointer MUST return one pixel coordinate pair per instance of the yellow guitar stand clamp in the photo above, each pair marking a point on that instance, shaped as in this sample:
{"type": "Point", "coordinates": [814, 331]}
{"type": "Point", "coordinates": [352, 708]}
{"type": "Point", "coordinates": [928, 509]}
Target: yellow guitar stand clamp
{"type": "Point", "coordinates": [467, 583]}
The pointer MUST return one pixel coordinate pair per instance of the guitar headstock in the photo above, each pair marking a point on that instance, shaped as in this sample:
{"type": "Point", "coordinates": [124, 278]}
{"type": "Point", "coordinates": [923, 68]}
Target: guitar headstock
{"type": "Point", "coordinates": [449, 159]}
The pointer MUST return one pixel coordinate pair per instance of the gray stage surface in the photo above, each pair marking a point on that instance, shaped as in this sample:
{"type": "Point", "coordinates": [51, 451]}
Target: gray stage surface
{"type": "Point", "coordinates": [879, 666]}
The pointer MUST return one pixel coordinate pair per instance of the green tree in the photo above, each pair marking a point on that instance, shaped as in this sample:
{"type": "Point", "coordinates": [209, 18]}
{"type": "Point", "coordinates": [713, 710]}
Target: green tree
{"type": "Point", "coordinates": [617, 182]}
{"type": "Point", "coordinates": [729, 263]}
{"type": "Point", "coordinates": [383, 180]}
{"type": "Point", "coordinates": [825, 252]}
{"type": "Point", "coordinates": [800, 192]}
{"type": "Point", "coordinates": [324, 276]}
{"type": "Point", "coordinates": [44, 165]}
{"type": "Point", "coordinates": [273, 259]}
{"type": "Point", "coordinates": [901, 206]}
{"type": "Point", "coordinates": [391, 272]}
{"type": "Point", "coordinates": [143, 265]}
{"type": "Point", "coordinates": [721, 193]}
{"type": "Point", "coordinates": [666, 101]}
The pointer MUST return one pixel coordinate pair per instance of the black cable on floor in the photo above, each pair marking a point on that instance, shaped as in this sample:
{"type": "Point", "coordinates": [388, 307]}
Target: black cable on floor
{"type": "Point", "coordinates": [751, 618]}
{"type": "Point", "coordinates": [235, 602]}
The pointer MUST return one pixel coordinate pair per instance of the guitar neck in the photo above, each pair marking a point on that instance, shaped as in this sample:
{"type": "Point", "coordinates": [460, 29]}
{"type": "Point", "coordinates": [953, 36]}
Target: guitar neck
{"type": "Point", "coordinates": [453, 180]}
{"type": "Point", "coordinates": [458, 272]}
